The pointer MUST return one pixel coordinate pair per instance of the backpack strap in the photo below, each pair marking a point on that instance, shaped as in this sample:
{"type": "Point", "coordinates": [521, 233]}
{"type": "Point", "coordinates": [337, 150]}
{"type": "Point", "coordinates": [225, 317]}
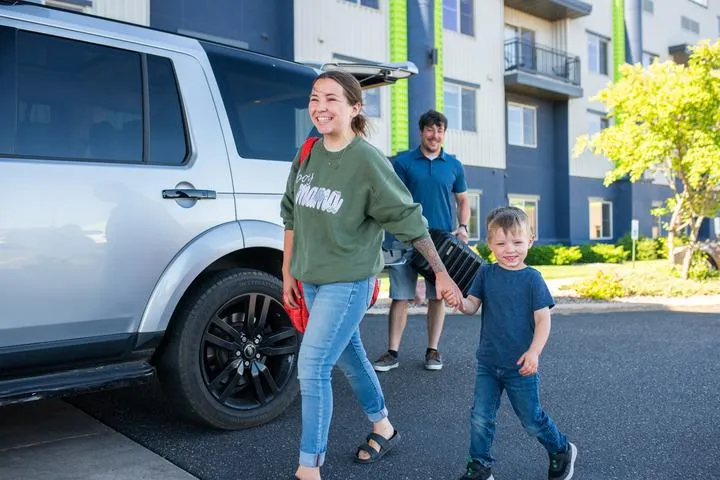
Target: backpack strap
{"type": "Point", "coordinates": [306, 147]}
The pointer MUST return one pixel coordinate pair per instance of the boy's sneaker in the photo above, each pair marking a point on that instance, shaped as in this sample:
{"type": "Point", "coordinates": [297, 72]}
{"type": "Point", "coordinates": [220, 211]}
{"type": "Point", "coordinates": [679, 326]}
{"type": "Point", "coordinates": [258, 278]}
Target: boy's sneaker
{"type": "Point", "coordinates": [477, 471]}
{"type": "Point", "coordinates": [562, 465]}
{"type": "Point", "coordinates": [387, 361]}
{"type": "Point", "coordinates": [433, 360]}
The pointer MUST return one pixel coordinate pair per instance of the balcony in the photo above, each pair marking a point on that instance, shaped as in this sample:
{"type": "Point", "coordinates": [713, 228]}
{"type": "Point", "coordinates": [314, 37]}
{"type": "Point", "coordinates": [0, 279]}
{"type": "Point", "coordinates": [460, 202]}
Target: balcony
{"type": "Point", "coordinates": [552, 9]}
{"type": "Point", "coordinates": [536, 70]}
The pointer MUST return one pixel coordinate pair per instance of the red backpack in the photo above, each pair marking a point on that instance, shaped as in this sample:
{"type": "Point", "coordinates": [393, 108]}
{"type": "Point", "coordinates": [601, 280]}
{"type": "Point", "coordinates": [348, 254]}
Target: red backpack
{"type": "Point", "coordinates": [299, 316]}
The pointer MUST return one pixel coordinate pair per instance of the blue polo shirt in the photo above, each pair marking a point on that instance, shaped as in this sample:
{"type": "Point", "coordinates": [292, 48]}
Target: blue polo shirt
{"type": "Point", "coordinates": [433, 184]}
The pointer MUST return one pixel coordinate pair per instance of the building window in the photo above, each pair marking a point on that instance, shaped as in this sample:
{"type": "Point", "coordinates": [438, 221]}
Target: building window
{"type": "Point", "coordinates": [474, 224]}
{"type": "Point", "coordinates": [648, 6]}
{"type": "Point", "coordinates": [530, 205]}
{"type": "Point", "coordinates": [598, 54]}
{"type": "Point", "coordinates": [690, 25]}
{"type": "Point", "coordinates": [519, 47]}
{"type": "Point", "coordinates": [459, 104]}
{"type": "Point", "coordinates": [371, 102]}
{"type": "Point", "coordinates": [366, 3]}
{"type": "Point", "coordinates": [522, 125]}
{"type": "Point", "coordinates": [648, 58]}
{"type": "Point", "coordinates": [458, 16]}
{"type": "Point", "coordinates": [596, 123]}
{"type": "Point", "coordinates": [600, 219]}
{"type": "Point", "coordinates": [657, 228]}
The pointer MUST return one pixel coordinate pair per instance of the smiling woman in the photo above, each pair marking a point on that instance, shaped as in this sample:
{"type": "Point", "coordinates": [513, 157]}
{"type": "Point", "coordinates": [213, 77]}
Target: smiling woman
{"type": "Point", "coordinates": [336, 205]}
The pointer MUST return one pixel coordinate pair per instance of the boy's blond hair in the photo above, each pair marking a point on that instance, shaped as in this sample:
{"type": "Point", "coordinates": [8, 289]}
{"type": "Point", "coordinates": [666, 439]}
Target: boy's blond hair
{"type": "Point", "coordinates": [509, 220]}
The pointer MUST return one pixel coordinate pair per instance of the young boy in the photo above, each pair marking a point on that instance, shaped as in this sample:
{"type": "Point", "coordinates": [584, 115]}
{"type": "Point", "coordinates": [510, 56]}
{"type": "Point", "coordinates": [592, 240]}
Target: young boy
{"type": "Point", "coordinates": [515, 326]}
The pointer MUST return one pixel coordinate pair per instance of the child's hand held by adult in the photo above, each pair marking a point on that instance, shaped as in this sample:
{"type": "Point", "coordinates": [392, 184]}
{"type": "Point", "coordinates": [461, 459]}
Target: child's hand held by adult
{"type": "Point", "coordinates": [447, 289]}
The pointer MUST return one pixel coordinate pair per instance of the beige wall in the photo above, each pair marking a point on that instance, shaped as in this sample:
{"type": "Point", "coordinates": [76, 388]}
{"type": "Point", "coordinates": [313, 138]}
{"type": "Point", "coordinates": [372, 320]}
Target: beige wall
{"type": "Point", "coordinates": [326, 28]}
{"type": "Point", "coordinates": [479, 60]}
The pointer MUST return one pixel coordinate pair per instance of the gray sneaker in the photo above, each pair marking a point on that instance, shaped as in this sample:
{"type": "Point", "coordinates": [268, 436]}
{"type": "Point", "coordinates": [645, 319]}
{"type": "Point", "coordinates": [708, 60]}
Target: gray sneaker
{"type": "Point", "coordinates": [433, 360]}
{"type": "Point", "coordinates": [387, 361]}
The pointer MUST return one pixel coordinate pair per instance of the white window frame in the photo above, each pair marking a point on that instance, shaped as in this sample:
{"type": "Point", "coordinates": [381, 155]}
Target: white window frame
{"type": "Point", "coordinates": [690, 25]}
{"type": "Point", "coordinates": [603, 235]}
{"type": "Point", "coordinates": [474, 227]}
{"type": "Point", "coordinates": [458, 17]}
{"type": "Point", "coordinates": [595, 62]}
{"type": "Point", "coordinates": [360, 2]}
{"type": "Point", "coordinates": [602, 118]}
{"type": "Point", "coordinates": [657, 229]}
{"type": "Point", "coordinates": [648, 58]}
{"type": "Point", "coordinates": [520, 200]}
{"type": "Point", "coordinates": [456, 123]}
{"type": "Point", "coordinates": [522, 108]}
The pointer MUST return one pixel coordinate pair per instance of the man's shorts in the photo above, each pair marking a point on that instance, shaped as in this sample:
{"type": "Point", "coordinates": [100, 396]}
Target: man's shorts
{"type": "Point", "coordinates": [403, 281]}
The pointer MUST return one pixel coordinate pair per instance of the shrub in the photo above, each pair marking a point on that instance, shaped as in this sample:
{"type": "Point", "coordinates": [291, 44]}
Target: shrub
{"type": "Point", "coordinates": [603, 253]}
{"type": "Point", "coordinates": [602, 287]}
{"type": "Point", "coordinates": [566, 255]}
{"type": "Point", "coordinates": [700, 267]}
{"type": "Point", "coordinates": [540, 255]}
{"type": "Point", "coordinates": [483, 250]}
{"type": "Point", "coordinates": [646, 249]}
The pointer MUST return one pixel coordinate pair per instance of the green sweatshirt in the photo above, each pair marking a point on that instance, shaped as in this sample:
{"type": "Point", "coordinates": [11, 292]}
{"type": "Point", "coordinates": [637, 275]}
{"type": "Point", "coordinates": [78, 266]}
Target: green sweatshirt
{"type": "Point", "coordinates": [337, 204]}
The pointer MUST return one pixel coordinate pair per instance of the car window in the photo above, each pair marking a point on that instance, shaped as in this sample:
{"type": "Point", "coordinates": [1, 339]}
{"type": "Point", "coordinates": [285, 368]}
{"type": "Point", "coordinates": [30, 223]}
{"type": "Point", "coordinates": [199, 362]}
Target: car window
{"type": "Point", "coordinates": [80, 101]}
{"type": "Point", "coordinates": [7, 89]}
{"type": "Point", "coordinates": [266, 101]}
{"type": "Point", "coordinates": [77, 100]}
{"type": "Point", "coordinates": [167, 145]}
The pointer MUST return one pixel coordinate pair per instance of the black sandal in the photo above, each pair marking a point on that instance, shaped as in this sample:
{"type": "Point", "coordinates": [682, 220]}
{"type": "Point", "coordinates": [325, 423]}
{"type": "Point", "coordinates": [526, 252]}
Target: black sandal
{"type": "Point", "coordinates": [386, 444]}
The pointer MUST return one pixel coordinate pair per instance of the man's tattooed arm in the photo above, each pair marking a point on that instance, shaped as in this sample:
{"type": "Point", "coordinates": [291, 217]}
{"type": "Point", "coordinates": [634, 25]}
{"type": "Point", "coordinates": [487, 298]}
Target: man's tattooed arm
{"type": "Point", "coordinates": [426, 247]}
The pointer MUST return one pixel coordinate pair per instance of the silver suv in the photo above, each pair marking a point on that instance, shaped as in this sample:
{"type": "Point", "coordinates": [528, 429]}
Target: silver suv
{"type": "Point", "coordinates": [140, 178]}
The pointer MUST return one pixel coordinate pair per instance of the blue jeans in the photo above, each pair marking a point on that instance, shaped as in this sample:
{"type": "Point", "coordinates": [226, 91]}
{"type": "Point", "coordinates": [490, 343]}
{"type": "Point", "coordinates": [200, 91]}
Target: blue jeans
{"type": "Point", "coordinates": [332, 337]}
{"type": "Point", "coordinates": [524, 395]}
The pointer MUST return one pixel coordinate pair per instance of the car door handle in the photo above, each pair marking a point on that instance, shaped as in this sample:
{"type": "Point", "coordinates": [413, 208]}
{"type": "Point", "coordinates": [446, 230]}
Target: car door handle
{"type": "Point", "coordinates": [189, 193]}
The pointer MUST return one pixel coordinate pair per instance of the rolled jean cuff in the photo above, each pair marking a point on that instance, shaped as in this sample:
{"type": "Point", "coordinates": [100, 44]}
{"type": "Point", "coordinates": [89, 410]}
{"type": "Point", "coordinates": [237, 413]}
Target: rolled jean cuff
{"type": "Point", "coordinates": [376, 417]}
{"type": "Point", "coordinates": [312, 460]}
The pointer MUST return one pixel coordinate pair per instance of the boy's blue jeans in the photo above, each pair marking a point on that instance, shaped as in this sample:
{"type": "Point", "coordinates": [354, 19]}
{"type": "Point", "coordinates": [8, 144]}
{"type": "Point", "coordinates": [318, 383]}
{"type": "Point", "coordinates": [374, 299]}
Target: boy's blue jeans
{"type": "Point", "coordinates": [524, 395]}
{"type": "Point", "coordinates": [332, 337]}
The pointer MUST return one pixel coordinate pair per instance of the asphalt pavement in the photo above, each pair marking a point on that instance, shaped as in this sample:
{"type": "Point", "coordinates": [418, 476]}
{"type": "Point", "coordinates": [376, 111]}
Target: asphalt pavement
{"type": "Point", "coordinates": [637, 392]}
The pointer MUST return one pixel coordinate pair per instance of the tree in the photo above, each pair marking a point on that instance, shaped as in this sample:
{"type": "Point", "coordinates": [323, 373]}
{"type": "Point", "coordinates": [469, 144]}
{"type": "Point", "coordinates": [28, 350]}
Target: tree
{"type": "Point", "coordinates": [667, 122]}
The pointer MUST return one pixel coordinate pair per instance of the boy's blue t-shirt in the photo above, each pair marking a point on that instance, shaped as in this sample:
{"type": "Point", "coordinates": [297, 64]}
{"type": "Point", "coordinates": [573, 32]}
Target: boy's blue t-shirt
{"type": "Point", "coordinates": [509, 300]}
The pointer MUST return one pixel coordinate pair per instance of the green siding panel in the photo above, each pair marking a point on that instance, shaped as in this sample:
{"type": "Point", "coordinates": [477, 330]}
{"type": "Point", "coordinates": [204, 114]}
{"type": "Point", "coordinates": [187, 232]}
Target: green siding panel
{"type": "Point", "coordinates": [400, 133]}
{"type": "Point", "coordinates": [438, 30]}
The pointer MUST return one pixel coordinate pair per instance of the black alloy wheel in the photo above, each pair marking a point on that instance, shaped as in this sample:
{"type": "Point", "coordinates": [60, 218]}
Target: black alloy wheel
{"type": "Point", "coordinates": [248, 352]}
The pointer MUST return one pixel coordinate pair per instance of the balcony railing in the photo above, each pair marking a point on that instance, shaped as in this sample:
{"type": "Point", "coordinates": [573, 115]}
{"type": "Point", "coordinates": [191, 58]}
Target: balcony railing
{"type": "Point", "coordinates": [530, 57]}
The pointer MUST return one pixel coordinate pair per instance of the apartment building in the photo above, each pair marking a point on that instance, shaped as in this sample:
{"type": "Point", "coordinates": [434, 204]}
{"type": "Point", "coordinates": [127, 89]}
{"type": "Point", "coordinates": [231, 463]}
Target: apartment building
{"type": "Point", "coordinates": [514, 77]}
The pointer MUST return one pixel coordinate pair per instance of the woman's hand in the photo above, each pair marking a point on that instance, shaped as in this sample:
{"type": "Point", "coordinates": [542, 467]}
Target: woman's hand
{"type": "Point", "coordinates": [290, 290]}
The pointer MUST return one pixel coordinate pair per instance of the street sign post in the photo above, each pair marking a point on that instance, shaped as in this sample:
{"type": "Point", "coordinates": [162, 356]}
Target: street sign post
{"type": "Point", "coordinates": [634, 234]}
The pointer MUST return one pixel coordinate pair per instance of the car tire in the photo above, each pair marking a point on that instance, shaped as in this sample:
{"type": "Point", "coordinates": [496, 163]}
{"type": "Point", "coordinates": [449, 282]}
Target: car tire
{"type": "Point", "coordinates": [230, 357]}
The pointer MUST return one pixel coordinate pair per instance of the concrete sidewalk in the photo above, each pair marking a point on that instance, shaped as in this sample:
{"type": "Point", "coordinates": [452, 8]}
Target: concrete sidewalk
{"type": "Point", "coordinates": [52, 439]}
{"type": "Point", "coordinates": [567, 303]}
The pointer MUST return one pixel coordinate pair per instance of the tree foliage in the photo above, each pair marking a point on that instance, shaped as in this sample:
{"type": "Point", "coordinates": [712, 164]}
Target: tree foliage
{"type": "Point", "coordinates": [667, 122]}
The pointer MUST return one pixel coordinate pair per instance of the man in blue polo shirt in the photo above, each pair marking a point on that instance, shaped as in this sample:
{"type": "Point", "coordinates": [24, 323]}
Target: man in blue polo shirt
{"type": "Point", "coordinates": [436, 180]}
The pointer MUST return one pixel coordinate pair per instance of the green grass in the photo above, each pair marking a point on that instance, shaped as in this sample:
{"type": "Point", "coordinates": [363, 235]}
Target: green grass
{"type": "Point", "coordinates": [646, 278]}
{"type": "Point", "coordinates": [587, 270]}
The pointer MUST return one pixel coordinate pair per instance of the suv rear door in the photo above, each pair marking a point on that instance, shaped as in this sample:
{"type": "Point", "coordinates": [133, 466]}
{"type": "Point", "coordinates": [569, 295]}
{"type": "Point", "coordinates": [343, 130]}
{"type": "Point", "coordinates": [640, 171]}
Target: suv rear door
{"type": "Point", "coordinates": [266, 101]}
{"type": "Point", "coordinates": [93, 130]}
